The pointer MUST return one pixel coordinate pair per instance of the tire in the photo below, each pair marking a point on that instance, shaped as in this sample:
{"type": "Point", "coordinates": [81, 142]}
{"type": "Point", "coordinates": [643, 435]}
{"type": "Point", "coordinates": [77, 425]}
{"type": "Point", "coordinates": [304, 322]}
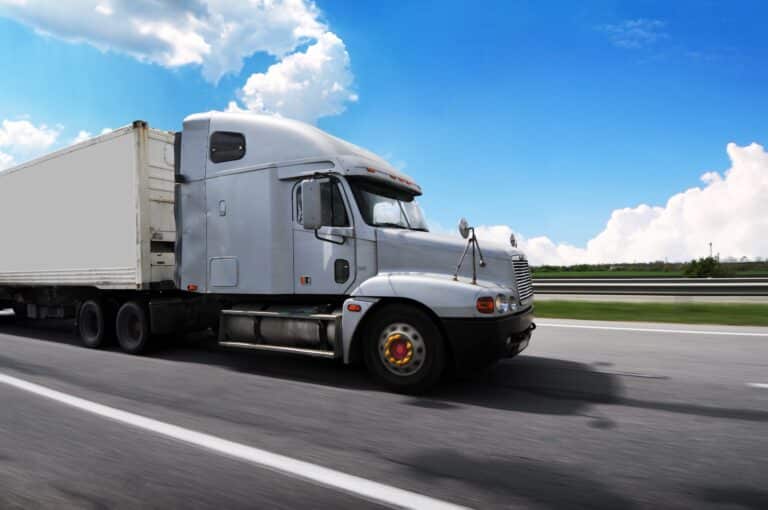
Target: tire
{"type": "Point", "coordinates": [132, 328]}
{"type": "Point", "coordinates": [403, 349]}
{"type": "Point", "coordinates": [94, 324]}
{"type": "Point", "coordinates": [20, 314]}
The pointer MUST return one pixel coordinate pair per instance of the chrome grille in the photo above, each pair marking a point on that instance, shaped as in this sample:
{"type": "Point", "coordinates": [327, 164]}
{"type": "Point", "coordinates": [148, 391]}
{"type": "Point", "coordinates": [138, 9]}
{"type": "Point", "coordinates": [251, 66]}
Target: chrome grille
{"type": "Point", "coordinates": [523, 279]}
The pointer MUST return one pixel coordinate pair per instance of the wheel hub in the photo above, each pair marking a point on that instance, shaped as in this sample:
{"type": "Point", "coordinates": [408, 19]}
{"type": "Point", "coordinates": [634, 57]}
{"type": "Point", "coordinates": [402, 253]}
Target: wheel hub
{"type": "Point", "coordinates": [402, 349]}
{"type": "Point", "coordinates": [398, 349]}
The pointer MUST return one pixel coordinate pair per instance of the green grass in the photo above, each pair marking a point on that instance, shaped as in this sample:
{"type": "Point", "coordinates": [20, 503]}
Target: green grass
{"type": "Point", "coordinates": [736, 314]}
{"type": "Point", "coordinates": [637, 273]}
{"type": "Point", "coordinates": [607, 274]}
{"type": "Point", "coordinates": [756, 272]}
{"type": "Point", "coordinates": [541, 275]}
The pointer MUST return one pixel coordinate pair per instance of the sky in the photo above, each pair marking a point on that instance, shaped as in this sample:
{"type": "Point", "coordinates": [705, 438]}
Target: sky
{"type": "Point", "coordinates": [596, 131]}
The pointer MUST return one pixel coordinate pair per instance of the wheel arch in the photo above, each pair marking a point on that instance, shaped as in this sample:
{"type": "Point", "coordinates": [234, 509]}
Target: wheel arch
{"type": "Point", "coordinates": [356, 347]}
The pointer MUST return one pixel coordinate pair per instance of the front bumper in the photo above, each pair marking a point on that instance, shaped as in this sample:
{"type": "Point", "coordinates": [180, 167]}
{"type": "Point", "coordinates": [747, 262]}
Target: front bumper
{"type": "Point", "coordinates": [478, 342]}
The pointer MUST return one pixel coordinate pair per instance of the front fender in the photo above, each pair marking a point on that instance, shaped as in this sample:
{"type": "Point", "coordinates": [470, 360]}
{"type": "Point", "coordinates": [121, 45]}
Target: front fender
{"type": "Point", "coordinates": [440, 293]}
{"type": "Point", "coordinates": [445, 297]}
{"type": "Point", "coordinates": [451, 301]}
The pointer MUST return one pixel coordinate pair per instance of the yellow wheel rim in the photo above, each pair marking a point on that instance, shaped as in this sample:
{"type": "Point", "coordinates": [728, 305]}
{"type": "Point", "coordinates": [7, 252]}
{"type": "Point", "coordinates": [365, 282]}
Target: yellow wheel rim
{"type": "Point", "coordinates": [398, 349]}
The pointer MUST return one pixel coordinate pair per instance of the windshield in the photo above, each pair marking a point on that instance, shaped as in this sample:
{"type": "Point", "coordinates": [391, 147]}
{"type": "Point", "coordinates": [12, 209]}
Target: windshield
{"type": "Point", "coordinates": [386, 207]}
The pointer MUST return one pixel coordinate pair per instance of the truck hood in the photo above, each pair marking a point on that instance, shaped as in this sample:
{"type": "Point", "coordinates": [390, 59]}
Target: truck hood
{"type": "Point", "coordinates": [408, 251]}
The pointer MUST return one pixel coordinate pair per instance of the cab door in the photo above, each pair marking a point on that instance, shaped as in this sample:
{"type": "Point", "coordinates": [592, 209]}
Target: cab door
{"type": "Point", "coordinates": [324, 259]}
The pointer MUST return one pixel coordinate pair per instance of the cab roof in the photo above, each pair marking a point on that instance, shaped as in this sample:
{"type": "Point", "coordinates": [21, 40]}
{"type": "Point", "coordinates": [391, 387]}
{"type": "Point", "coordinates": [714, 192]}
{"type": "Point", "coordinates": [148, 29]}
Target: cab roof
{"type": "Point", "coordinates": [275, 140]}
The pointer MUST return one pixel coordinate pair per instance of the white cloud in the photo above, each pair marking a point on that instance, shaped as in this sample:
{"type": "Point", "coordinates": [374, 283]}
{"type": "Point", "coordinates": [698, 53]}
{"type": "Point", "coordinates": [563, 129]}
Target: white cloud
{"type": "Point", "coordinates": [217, 34]}
{"type": "Point", "coordinates": [81, 137]}
{"type": "Point", "coordinates": [25, 137]}
{"type": "Point", "coordinates": [635, 33]}
{"type": "Point", "coordinates": [233, 107]}
{"type": "Point", "coordinates": [21, 140]}
{"type": "Point", "coordinates": [305, 85]}
{"type": "Point", "coordinates": [6, 161]}
{"type": "Point", "coordinates": [730, 210]}
{"type": "Point", "coordinates": [104, 9]}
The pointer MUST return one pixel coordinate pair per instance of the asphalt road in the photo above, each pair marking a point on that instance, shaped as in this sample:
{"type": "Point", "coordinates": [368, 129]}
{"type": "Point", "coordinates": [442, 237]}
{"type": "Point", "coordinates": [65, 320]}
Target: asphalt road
{"type": "Point", "coordinates": [586, 418]}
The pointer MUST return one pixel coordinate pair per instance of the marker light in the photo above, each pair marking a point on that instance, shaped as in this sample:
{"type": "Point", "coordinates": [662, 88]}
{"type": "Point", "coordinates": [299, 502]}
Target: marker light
{"type": "Point", "coordinates": [485, 304]}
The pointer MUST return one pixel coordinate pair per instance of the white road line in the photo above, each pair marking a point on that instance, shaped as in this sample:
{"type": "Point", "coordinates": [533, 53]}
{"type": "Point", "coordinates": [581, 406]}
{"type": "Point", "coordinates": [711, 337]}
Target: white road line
{"type": "Point", "coordinates": [651, 330]}
{"type": "Point", "coordinates": [374, 491]}
{"type": "Point", "coordinates": [763, 386]}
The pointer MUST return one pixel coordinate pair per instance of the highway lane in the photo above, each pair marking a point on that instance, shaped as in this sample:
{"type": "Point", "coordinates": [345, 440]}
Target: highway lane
{"type": "Point", "coordinates": [600, 418]}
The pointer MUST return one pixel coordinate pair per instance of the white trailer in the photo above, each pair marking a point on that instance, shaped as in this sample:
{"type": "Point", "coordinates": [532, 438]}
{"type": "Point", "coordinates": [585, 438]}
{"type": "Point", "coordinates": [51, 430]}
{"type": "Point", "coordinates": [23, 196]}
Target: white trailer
{"type": "Point", "coordinates": [95, 214]}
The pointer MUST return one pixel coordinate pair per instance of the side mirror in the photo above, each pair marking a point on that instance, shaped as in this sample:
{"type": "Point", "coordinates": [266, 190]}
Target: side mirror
{"type": "Point", "coordinates": [464, 228]}
{"type": "Point", "coordinates": [312, 203]}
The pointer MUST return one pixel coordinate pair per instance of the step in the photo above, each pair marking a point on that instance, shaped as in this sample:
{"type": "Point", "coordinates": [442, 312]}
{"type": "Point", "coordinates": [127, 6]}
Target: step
{"type": "Point", "coordinates": [283, 315]}
{"type": "Point", "coordinates": [277, 348]}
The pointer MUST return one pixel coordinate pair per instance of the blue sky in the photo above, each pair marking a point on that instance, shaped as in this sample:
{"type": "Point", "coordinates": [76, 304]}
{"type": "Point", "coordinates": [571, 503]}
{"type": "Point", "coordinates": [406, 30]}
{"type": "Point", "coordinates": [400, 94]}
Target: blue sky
{"type": "Point", "coordinates": [544, 116]}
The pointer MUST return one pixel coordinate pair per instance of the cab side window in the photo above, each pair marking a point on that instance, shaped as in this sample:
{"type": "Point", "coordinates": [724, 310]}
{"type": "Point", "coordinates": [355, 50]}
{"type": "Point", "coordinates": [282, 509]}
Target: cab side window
{"type": "Point", "coordinates": [334, 212]}
{"type": "Point", "coordinates": [227, 146]}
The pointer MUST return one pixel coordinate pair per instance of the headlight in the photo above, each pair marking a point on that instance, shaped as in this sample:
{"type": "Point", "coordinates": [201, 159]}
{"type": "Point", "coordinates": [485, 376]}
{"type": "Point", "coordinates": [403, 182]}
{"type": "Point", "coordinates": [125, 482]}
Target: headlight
{"type": "Point", "coordinates": [502, 303]}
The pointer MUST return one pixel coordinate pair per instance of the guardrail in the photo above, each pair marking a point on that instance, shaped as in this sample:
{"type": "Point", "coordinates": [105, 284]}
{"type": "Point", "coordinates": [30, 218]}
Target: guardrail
{"type": "Point", "coordinates": [654, 286]}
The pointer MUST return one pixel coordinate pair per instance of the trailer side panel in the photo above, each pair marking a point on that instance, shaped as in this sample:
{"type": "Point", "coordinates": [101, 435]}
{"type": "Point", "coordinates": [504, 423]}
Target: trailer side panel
{"type": "Point", "coordinates": [87, 215]}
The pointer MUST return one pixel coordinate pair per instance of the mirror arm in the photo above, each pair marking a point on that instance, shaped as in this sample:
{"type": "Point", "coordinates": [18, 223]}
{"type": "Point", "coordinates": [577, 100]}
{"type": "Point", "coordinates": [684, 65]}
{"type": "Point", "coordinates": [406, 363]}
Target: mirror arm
{"type": "Point", "coordinates": [461, 261]}
{"type": "Point", "coordinates": [476, 253]}
{"type": "Point", "coordinates": [479, 251]}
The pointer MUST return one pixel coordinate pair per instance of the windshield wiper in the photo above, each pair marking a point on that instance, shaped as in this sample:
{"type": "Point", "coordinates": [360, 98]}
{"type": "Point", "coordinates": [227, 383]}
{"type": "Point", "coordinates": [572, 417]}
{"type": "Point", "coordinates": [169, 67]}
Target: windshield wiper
{"type": "Point", "coordinates": [420, 229]}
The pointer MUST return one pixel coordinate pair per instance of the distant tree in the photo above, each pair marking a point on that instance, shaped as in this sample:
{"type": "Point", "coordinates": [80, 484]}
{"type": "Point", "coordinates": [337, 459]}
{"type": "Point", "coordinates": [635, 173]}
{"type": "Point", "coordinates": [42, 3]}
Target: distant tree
{"type": "Point", "coordinates": [706, 266]}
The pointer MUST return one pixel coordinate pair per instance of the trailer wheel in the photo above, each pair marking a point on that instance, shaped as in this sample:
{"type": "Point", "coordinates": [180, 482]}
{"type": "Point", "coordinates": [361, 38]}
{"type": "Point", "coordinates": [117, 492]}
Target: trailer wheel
{"type": "Point", "coordinates": [93, 324]}
{"type": "Point", "coordinates": [132, 327]}
{"type": "Point", "coordinates": [20, 314]}
{"type": "Point", "coordinates": [404, 349]}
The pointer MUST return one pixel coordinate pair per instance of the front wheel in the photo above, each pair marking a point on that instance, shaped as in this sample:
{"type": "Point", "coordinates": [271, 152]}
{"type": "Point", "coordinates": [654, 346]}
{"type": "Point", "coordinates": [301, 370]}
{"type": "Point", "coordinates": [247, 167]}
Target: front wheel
{"type": "Point", "coordinates": [404, 349]}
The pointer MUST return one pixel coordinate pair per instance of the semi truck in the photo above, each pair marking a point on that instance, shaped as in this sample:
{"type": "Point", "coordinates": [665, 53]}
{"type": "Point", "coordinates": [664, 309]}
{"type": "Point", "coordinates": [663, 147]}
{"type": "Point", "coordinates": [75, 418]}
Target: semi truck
{"type": "Point", "coordinates": [270, 232]}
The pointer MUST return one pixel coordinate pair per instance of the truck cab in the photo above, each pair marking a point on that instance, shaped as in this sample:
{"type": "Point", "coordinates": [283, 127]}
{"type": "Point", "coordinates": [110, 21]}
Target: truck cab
{"type": "Point", "coordinates": [310, 244]}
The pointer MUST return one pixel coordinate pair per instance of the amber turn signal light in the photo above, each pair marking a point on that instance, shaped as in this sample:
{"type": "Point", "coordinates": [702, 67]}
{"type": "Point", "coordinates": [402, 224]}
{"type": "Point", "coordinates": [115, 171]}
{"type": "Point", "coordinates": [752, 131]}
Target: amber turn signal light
{"type": "Point", "coordinates": [485, 305]}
